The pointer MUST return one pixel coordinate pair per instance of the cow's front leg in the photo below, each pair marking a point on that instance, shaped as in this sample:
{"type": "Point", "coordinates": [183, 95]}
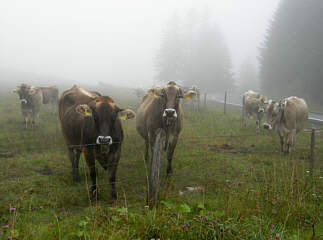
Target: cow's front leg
{"type": "Point", "coordinates": [112, 171]}
{"type": "Point", "coordinates": [90, 161]}
{"type": "Point", "coordinates": [257, 126]}
{"type": "Point", "coordinates": [26, 122]}
{"type": "Point", "coordinates": [171, 148]}
{"type": "Point", "coordinates": [281, 143]}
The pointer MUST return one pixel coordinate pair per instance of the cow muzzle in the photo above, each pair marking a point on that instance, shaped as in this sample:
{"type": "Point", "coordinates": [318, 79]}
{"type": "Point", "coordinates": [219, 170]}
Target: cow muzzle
{"type": "Point", "coordinates": [267, 126]}
{"type": "Point", "coordinates": [261, 110]}
{"type": "Point", "coordinates": [105, 140]}
{"type": "Point", "coordinates": [24, 101]}
{"type": "Point", "coordinates": [170, 113]}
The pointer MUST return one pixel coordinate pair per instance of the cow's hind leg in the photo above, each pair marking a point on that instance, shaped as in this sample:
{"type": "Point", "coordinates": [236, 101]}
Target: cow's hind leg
{"type": "Point", "coordinates": [74, 156]}
{"type": "Point", "coordinates": [90, 161]}
{"type": "Point", "coordinates": [146, 152]}
{"type": "Point", "coordinates": [292, 139]}
{"type": "Point", "coordinates": [170, 153]}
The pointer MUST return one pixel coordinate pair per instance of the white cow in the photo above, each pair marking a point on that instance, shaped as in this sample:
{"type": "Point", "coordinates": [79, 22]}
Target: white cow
{"type": "Point", "coordinates": [287, 118]}
{"type": "Point", "coordinates": [253, 104]}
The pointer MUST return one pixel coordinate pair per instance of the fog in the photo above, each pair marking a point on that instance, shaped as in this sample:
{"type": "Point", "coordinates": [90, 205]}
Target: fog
{"type": "Point", "coordinates": [114, 42]}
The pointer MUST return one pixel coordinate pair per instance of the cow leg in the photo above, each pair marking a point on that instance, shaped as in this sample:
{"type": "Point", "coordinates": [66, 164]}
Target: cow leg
{"type": "Point", "coordinates": [112, 169]}
{"type": "Point", "coordinates": [90, 161]}
{"type": "Point", "coordinates": [170, 152]}
{"type": "Point", "coordinates": [146, 152]}
{"type": "Point", "coordinates": [292, 139]}
{"type": "Point", "coordinates": [244, 121]}
{"type": "Point", "coordinates": [26, 122]}
{"type": "Point", "coordinates": [257, 126]}
{"type": "Point", "coordinates": [74, 156]}
{"type": "Point", "coordinates": [281, 143]}
{"type": "Point", "coordinates": [286, 143]}
{"type": "Point", "coordinates": [33, 121]}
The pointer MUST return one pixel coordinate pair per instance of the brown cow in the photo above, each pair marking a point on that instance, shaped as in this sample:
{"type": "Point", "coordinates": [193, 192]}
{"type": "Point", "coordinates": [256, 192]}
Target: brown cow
{"type": "Point", "coordinates": [161, 109]}
{"type": "Point", "coordinates": [287, 118]}
{"type": "Point", "coordinates": [31, 99]}
{"type": "Point", "coordinates": [91, 123]}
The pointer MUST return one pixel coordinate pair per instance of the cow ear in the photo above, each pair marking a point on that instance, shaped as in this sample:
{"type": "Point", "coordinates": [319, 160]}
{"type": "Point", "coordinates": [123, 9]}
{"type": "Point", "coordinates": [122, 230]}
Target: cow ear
{"type": "Point", "coordinates": [156, 92]}
{"type": "Point", "coordinates": [32, 90]}
{"type": "Point", "coordinates": [126, 114]}
{"type": "Point", "coordinates": [189, 95]}
{"type": "Point", "coordinates": [84, 110]}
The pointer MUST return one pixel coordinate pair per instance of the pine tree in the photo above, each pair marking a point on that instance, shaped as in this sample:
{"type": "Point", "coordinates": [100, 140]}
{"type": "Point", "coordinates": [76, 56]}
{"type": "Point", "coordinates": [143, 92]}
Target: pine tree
{"type": "Point", "coordinates": [170, 56]}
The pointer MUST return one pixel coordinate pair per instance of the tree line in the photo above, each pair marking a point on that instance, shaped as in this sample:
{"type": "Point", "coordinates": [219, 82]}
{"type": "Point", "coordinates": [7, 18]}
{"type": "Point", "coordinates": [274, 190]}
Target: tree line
{"type": "Point", "coordinates": [291, 56]}
{"type": "Point", "coordinates": [194, 52]}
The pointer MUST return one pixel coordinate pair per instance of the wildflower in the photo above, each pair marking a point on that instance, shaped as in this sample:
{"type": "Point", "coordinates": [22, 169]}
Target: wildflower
{"type": "Point", "coordinates": [9, 237]}
{"type": "Point", "coordinates": [214, 221]}
{"type": "Point", "coordinates": [12, 209]}
{"type": "Point", "coordinates": [277, 235]}
{"type": "Point", "coordinates": [41, 207]}
{"type": "Point", "coordinates": [5, 227]}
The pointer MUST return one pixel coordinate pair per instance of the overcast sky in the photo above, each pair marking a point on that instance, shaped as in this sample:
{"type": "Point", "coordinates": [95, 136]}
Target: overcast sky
{"type": "Point", "coordinates": [114, 41]}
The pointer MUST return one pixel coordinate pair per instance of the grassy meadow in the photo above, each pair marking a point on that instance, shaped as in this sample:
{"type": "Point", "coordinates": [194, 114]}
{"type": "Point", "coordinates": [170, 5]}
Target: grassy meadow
{"type": "Point", "coordinates": [223, 187]}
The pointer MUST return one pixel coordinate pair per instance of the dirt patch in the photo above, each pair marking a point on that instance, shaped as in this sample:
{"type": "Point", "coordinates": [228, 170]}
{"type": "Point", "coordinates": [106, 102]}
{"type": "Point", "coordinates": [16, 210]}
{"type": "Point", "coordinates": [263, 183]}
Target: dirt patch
{"type": "Point", "coordinates": [6, 155]}
{"type": "Point", "coordinates": [225, 148]}
{"type": "Point", "coordinates": [45, 171]}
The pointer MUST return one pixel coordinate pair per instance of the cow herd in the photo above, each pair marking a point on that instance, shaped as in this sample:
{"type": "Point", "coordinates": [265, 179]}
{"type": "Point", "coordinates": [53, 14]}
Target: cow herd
{"type": "Point", "coordinates": [91, 123]}
{"type": "Point", "coordinates": [287, 116]}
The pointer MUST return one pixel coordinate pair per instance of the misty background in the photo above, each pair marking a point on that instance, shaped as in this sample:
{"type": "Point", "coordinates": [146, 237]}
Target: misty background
{"type": "Point", "coordinates": [271, 46]}
{"type": "Point", "coordinates": [114, 42]}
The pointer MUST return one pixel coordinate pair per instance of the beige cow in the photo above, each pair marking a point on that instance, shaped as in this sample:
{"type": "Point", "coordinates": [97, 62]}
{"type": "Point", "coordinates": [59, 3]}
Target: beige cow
{"type": "Point", "coordinates": [161, 109]}
{"type": "Point", "coordinates": [253, 104]}
{"type": "Point", "coordinates": [287, 118]}
{"type": "Point", "coordinates": [31, 99]}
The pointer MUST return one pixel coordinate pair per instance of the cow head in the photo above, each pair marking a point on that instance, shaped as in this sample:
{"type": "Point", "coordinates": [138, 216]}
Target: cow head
{"type": "Point", "coordinates": [274, 113]}
{"type": "Point", "coordinates": [103, 113]}
{"type": "Point", "coordinates": [263, 103]}
{"type": "Point", "coordinates": [24, 92]}
{"type": "Point", "coordinates": [169, 99]}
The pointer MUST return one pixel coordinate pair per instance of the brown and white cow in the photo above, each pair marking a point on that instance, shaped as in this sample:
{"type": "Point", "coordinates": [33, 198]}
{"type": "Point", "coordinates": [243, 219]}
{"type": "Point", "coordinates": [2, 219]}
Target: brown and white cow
{"type": "Point", "coordinates": [253, 104]}
{"type": "Point", "coordinates": [31, 99]}
{"type": "Point", "coordinates": [287, 118]}
{"type": "Point", "coordinates": [91, 124]}
{"type": "Point", "coordinates": [161, 109]}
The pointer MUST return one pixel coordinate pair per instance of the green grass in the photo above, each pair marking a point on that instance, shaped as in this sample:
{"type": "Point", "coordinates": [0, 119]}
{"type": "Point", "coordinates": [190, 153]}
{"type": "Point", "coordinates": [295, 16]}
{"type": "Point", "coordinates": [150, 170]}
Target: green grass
{"type": "Point", "coordinates": [249, 189]}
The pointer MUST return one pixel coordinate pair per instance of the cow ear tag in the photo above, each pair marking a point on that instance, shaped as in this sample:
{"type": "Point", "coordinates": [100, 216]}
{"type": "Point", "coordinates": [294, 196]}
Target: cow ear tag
{"type": "Point", "coordinates": [126, 114]}
{"type": "Point", "coordinates": [84, 110]}
{"type": "Point", "coordinates": [189, 95]}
